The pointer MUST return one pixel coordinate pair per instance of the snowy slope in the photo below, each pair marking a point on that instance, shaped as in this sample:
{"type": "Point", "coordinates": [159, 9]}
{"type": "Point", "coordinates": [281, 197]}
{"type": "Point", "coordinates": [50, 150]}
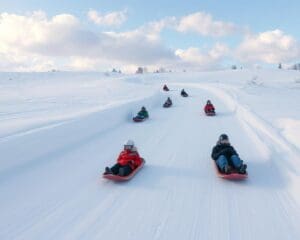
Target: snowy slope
{"type": "Point", "coordinates": [50, 170]}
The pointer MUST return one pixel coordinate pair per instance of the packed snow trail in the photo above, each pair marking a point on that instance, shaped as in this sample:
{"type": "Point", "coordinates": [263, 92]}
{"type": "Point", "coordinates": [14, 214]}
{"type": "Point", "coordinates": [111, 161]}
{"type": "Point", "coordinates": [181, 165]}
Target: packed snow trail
{"type": "Point", "coordinates": [58, 192]}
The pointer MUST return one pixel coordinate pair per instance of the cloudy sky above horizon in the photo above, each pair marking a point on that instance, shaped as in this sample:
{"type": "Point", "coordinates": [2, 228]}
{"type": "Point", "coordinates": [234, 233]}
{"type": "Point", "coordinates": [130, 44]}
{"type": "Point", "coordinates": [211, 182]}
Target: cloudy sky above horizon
{"type": "Point", "coordinates": [101, 35]}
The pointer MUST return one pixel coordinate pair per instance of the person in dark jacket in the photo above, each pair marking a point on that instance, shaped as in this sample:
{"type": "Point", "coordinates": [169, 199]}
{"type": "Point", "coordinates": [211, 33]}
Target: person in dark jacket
{"type": "Point", "coordinates": [168, 102]}
{"type": "Point", "coordinates": [226, 157]}
{"type": "Point", "coordinates": [165, 88]}
{"type": "Point", "coordinates": [183, 93]}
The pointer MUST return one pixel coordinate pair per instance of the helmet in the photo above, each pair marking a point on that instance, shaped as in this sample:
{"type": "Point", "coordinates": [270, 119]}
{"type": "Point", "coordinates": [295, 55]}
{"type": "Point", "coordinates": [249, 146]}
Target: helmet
{"type": "Point", "coordinates": [223, 137]}
{"type": "Point", "coordinates": [208, 102]}
{"type": "Point", "coordinates": [143, 108]}
{"type": "Point", "coordinates": [129, 144]}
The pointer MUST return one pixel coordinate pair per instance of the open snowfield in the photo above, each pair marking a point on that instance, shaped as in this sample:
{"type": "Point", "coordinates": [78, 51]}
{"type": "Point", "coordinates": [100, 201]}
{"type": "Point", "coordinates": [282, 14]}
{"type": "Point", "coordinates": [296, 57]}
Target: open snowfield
{"type": "Point", "coordinates": [58, 131]}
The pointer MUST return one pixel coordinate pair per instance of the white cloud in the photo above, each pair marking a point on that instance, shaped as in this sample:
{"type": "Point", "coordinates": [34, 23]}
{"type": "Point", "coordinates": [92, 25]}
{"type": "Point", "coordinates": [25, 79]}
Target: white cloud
{"type": "Point", "coordinates": [158, 26]}
{"type": "Point", "coordinates": [29, 30]}
{"type": "Point", "coordinates": [109, 19]}
{"type": "Point", "coordinates": [10, 62]}
{"type": "Point", "coordinates": [82, 64]}
{"type": "Point", "coordinates": [37, 42]}
{"type": "Point", "coordinates": [268, 47]}
{"type": "Point", "coordinates": [203, 60]}
{"type": "Point", "coordinates": [199, 22]}
{"type": "Point", "coordinates": [137, 47]}
{"type": "Point", "coordinates": [204, 24]}
{"type": "Point", "coordinates": [62, 37]}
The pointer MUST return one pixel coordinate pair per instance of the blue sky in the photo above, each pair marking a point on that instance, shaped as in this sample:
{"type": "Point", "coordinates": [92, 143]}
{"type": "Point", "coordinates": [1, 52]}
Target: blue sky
{"type": "Point", "coordinates": [260, 15]}
{"type": "Point", "coordinates": [257, 17]}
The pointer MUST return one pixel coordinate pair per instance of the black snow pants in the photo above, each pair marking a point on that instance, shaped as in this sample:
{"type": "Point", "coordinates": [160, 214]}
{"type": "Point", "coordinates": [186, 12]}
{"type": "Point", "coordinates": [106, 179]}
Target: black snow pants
{"type": "Point", "coordinates": [117, 169]}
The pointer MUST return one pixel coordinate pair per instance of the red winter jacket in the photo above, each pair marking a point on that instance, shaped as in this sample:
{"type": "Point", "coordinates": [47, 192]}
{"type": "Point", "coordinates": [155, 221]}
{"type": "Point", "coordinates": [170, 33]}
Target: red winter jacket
{"type": "Point", "coordinates": [209, 108]}
{"type": "Point", "coordinates": [129, 157]}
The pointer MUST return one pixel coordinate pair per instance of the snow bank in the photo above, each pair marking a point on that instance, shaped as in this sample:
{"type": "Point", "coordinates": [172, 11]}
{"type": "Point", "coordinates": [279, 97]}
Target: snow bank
{"type": "Point", "coordinates": [33, 101]}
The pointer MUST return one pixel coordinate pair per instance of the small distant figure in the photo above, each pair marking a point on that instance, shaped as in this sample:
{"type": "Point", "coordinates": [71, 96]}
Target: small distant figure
{"type": "Point", "coordinates": [165, 88]}
{"type": "Point", "coordinates": [183, 93]}
{"type": "Point", "coordinates": [168, 103]}
{"type": "Point", "coordinates": [142, 115]}
{"type": "Point", "coordinates": [209, 108]}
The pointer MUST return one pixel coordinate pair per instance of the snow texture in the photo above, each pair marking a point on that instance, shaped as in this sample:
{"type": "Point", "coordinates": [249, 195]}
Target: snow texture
{"type": "Point", "coordinates": [59, 130]}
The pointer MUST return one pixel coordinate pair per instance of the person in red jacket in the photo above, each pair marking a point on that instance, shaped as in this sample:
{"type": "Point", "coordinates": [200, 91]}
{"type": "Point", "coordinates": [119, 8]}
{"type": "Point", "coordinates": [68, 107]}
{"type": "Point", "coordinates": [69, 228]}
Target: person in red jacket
{"type": "Point", "coordinates": [128, 160]}
{"type": "Point", "coordinates": [209, 108]}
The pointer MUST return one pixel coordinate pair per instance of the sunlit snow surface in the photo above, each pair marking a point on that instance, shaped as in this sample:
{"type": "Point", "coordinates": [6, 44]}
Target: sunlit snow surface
{"type": "Point", "coordinates": [59, 130]}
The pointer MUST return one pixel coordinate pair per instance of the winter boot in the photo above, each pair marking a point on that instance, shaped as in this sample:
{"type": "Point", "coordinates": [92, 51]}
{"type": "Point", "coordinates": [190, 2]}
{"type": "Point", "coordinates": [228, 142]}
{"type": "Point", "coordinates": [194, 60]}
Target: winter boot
{"type": "Point", "coordinates": [107, 171]}
{"type": "Point", "coordinates": [243, 168]}
{"type": "Point", "coordinates": [227, 169]}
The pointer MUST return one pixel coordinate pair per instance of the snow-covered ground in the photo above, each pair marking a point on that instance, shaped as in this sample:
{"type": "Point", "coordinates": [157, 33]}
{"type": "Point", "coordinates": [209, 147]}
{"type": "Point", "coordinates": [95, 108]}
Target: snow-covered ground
{"type": "Point", "coordinates": [59, 130]}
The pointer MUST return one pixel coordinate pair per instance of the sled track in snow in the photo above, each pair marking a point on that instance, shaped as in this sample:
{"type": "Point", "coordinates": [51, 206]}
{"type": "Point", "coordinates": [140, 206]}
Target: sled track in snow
{"type": "Point", "coordinates": [177, 194]}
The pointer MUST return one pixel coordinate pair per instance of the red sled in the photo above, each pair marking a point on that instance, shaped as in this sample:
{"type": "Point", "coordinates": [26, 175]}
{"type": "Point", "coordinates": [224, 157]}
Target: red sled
{"type": "Point", "coordinates": [138, 119]}
{"type": "Point", "coordinates": [118, 178]}
{"type": "Point", "coordinates": [232, 176]}
{"type": "Point", "coordinates": [210, 114]}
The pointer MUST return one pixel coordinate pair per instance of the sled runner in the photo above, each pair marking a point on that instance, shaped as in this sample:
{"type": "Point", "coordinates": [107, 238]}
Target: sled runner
{"type": "Point", "coordinates": [138, 119]}
{"type": "Point", "coordinates": [167, 105]}
{"type": "Point", "coordinates": [234, 175]}
{"type": "Point", "coordinates": [118, 178]}
{"type": "Point", "coordinates": [210, 114]}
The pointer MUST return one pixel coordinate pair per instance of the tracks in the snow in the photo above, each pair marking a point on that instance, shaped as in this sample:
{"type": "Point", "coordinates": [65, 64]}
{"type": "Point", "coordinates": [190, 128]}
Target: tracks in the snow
{"type": "Point", "coordinates": [175, 196]}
